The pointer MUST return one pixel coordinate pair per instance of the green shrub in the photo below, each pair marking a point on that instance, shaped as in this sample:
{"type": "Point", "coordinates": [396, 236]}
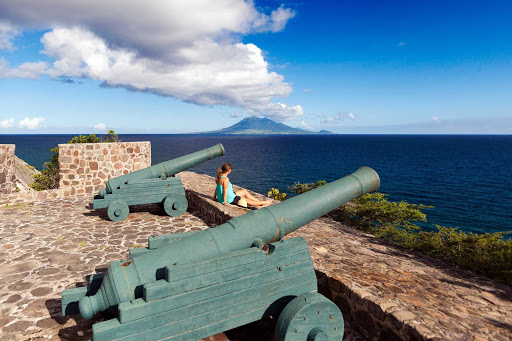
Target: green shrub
{"type": "Point", "coordinates": [85, 139]}
{"type": "Point", "coordinates": [489, 254]}
{"type": "Point", "coordinates": [299, 188]}
{"type": "Point", "coordinates": [274, 194]}
{"type": "Point", "coordinates": [49, 176]}
{"type": "Point", "coordinates": [111, 137]}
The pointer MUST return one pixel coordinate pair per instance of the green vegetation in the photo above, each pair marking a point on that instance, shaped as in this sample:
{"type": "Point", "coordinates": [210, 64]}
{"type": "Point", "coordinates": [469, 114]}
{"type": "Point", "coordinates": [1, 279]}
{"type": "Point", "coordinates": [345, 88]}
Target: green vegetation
{"type": "Point", "coordinates": [49, 176]}
{"type": "Point", "coordinates": [489, 254]}
{"type": "Point", "coordinates": [274, 194]}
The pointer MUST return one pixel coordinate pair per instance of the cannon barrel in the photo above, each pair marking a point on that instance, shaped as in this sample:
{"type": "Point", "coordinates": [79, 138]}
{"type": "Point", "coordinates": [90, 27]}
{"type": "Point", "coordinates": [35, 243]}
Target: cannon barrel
{"type": "Point", "coordinates": [168, 168]}
{"type": "Point", "coordinates": [124, 280]}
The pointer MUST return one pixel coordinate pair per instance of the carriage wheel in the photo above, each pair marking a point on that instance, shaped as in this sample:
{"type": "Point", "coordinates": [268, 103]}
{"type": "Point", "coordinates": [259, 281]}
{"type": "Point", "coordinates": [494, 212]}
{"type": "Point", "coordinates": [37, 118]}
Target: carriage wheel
{"type": "Point", "coordinates": [175, 205]}
{"type": "Point", "coordinates": [118, 210]}
{"type": "Point", "coordinates": [310, 317]}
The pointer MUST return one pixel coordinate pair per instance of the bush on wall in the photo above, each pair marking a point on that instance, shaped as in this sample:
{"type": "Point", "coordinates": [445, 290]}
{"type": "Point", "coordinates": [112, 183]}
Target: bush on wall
{"type": "Point", "coordinates": [49, 176]}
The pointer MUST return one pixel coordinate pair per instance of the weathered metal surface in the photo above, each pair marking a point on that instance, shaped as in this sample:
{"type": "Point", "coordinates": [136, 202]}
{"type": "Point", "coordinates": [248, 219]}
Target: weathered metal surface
{"type": "Point", "coordinates": [310, 317]}
{"type": "Point", "coordinates": [168, 168]}
{"type": "Point", "coordinates": [185, 287]}
{"type": "Point", "coordinates": [155, 184]}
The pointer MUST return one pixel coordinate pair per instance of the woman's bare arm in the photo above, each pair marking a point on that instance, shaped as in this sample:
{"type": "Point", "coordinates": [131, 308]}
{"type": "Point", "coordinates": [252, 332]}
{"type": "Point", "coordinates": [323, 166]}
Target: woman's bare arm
{"type": "Point", "coordinates": [225, 190]}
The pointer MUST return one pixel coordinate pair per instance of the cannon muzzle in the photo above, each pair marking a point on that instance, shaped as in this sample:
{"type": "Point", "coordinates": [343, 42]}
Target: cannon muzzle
{"type": "Point", "coordinates": [167, 168]}
{"type": "Point", "coordinates": [124, 279]}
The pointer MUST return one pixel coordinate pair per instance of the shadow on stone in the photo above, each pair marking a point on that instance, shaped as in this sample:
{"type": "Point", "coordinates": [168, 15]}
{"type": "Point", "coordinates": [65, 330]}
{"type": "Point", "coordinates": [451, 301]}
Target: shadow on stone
{"type": "Point", "coordinates": [468, 279]}
{"type": "Point", "coordinates": [101, 213]}
{"type": "Point", "coordinates": [498, 323]}
{"type": "Point", "coordinates": [55, 311]}
{"type": "Point", "coordinates": [256, 331]}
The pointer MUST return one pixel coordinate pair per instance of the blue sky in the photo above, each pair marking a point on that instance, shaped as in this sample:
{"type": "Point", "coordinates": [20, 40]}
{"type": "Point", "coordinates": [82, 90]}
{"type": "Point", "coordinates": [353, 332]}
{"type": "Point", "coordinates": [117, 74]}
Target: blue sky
{"type": "Point", "coordinates": [345, 66]}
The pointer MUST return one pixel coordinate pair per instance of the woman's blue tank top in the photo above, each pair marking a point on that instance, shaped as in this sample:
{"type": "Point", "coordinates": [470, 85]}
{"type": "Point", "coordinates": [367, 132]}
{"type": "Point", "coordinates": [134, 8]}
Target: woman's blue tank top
{"type": "Point", "coordinates": [220, 192]}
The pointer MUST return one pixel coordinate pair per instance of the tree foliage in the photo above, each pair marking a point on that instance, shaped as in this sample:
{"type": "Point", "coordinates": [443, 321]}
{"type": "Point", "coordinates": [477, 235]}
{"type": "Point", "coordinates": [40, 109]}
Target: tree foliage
{"type": "Point", "coordinates": [49, 176]}
{"type": "Point", "coordinates": [489, 254]}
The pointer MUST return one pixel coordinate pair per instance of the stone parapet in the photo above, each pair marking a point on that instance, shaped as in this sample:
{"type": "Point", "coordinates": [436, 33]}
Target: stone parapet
{"type": "Point", "coordinates": [7, 169]}
{"type": "Point", "coordinates": [86, 167]}
{"type": "Point", "coordinates": [387, 292]}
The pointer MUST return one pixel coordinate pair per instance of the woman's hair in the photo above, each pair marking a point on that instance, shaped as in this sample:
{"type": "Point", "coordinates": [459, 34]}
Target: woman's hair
{"type": "Point", "coordinates": [223, 169]}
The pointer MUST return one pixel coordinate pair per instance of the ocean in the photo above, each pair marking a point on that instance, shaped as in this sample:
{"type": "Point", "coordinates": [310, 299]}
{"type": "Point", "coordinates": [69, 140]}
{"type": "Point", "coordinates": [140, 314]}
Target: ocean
{"type": "Point", "coordinates": [468, 179]}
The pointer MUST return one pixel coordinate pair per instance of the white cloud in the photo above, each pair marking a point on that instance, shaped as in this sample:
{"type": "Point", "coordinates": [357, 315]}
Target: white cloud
{"type": "Point", "coordinates": [25, 70]}
{"type": "Point", "coordinates": [402, 43]}
{"type": "Point", "coordinates": [235, 115]}
{"type": "Point", "coordinates": [308, 90]}
{"type": "Point", "coordinates": [31, 123]}
{"type": "Point", "coordinates": [304, 125]}
{"type": "Point", "coordinates": [7, 123]}
{"type": "Point", "coordinates": [100, 126]}
{"type": "Point", "coordinates": [189, 50]}
{"type": "Point", "coordinates": [7, 33]}
{"type": "Point", "coordinates": [337, 119]}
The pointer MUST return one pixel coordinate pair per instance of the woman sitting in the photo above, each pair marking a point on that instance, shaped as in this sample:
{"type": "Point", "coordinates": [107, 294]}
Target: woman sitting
{"type": "Point", "coordinates": [225, 195]}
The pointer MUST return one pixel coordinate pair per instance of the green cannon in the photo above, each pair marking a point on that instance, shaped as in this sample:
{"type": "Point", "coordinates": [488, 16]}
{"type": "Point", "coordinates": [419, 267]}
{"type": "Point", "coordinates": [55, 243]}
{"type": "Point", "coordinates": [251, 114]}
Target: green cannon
{"type": "Point", "coordinates": [157, 184]}
{"type": "Point", "coordinates": [192, 285]}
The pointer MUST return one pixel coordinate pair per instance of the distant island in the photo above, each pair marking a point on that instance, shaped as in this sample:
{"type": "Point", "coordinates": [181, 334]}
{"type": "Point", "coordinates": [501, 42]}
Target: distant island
{"type": "Point", "coordinates": [262, 126]}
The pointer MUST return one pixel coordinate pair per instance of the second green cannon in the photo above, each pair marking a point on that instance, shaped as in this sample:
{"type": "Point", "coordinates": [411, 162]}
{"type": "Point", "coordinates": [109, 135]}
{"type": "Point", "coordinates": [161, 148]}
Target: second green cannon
{"type": "Point", "coordinates": [156, 184]}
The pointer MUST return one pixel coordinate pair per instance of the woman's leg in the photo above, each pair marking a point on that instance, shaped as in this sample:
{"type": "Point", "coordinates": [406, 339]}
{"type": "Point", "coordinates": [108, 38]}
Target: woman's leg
{"type": "Point", "coordinates": [245, 193]}
{"type": "Point", "coordinates": [256, 202]}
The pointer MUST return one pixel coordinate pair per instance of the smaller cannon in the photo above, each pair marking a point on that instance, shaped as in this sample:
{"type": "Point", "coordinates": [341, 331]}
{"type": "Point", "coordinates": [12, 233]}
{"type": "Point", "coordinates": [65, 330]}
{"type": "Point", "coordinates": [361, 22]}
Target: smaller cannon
{"type": "Point", "coordinates": [157, 184]}
{"type": "Point", "coordinates": [190, 285]}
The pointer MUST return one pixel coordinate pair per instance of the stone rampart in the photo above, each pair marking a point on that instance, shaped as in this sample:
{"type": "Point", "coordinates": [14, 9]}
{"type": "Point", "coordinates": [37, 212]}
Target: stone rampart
{"type": "Point", "coordinates": [86, 167]}
{"type": "Point", "coordinates": [7, 169]}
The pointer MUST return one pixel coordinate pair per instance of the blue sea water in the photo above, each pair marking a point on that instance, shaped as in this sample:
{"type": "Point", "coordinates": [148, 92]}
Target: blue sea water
{"type": "Point", "coordinates": [467, 178]}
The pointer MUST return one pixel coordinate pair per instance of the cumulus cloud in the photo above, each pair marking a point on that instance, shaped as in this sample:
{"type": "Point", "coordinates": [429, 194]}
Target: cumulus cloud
{"type": "Point", "coordinates": [26, 123]}
{"type": "Point", "coordinates": [304, 125]}
{"type": "Point", "coordinates": [7, 33]}
{"type": "Point", "coordinates": [5, 124]}
{"type": "Point", "coordinates": [25, 70]}
{"type": "Point", "coordinates": [337, 119]}
{"type": "Point", "coordinates": [31, 123]}
{"type": "Point", "coordinates": [100, 126]}
{"type": "Point", "coordinates": [189, 50]}
{"type": "Point", "coordinates": [436, 119]}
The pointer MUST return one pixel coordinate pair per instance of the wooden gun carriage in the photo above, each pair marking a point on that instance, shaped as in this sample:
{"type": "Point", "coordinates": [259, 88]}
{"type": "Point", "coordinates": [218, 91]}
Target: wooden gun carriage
{"type": "Point", "coordinates": [156, 184]}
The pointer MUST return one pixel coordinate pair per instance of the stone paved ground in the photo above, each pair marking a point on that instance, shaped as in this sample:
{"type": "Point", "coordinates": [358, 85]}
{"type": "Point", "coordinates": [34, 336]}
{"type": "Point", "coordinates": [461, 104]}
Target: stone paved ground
{"type": "Point", "coordinates": [49, 246]}
{"type": "Point", "coordinates": [46, 247]}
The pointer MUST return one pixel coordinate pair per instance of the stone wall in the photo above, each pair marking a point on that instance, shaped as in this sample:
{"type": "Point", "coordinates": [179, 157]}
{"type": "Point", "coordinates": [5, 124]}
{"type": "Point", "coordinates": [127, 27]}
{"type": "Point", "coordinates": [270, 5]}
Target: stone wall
{"type": "Point", "coordinates": [7, 169]}
{"type": "Point", "coordinates": [86, 167]}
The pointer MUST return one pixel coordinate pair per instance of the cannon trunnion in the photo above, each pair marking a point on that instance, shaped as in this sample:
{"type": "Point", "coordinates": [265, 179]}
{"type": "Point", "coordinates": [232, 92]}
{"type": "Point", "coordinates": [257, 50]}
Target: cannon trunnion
{"type": "Point", "coordinates": [157, 184]}
{"type": "Point", "coordinates": [192, 285]}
